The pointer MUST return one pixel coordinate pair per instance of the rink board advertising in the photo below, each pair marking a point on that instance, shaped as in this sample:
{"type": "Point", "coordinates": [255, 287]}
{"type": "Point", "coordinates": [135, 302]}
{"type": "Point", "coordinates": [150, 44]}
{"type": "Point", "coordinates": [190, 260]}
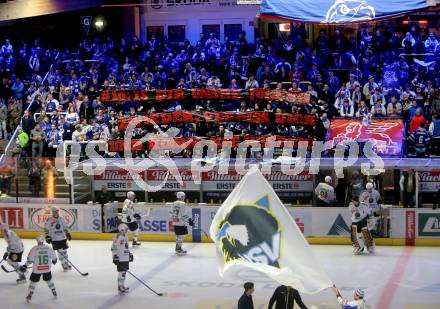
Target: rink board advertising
{"type": "Point", "coordinates": [429, 224]}
{"type": "Point", "coordinates": [414, 223]}
{"type": "Point", "coordinates": [31, 217]}
{"type": "Point", "coordinates": [408, 224]}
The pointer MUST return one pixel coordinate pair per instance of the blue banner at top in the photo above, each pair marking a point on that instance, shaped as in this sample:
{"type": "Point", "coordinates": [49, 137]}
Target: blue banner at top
{"type": "Point", "coordinates": [338, 11]}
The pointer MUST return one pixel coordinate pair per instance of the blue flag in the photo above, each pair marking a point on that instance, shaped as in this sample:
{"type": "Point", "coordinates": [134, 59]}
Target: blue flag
{"type": "Point", "coordinates": [390, 77]}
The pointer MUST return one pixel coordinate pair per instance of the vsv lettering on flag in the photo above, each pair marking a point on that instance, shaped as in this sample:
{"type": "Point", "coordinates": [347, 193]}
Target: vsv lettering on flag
{"type": "Point", "coordinates": [253, 229]}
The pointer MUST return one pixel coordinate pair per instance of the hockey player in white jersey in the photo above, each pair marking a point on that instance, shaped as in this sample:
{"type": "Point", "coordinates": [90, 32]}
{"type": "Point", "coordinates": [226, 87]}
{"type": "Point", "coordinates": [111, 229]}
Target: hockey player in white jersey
{"type": "Point", "coordinates": [359, 301]}
{"type": "Point", "coordinates": [360, 235]}
{"type": "Point", "coordinates": [121, 256]}
{"type": "Point", "coordinates": [371, 197]}
{"type": "Point", "coordinates": [57, 234]}
{"type": "Point", "coordinates": [180, 220]}
{"type": "Point", "coordinates": [130, 217]}
{"type": "Point", "coordinates": [14, 251]}
{"type": "Point", "coordinates": [325, 193]}
{"type": "Point", "coordinates": [41, 256]}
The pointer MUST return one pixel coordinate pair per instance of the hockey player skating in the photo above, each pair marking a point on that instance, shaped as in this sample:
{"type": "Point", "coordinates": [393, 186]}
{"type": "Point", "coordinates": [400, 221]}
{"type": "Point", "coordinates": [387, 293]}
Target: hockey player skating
{"type": "Point", "coordinates": [57, 234]}
{"type": "Point", "coordinates": [14, 251]}
{"type": "Point", "coordinates": [360, 235]}
{"type": "Point", "coordinates": [358, 302]}
{"type": "Point", "coordinates": [41, 256]}
{"type": "Point", "coordinates": [130, 217]}
{"type": "Point", "coordinates": [121, 256]}
{"type": "Point", "coordinates": [180, 221]}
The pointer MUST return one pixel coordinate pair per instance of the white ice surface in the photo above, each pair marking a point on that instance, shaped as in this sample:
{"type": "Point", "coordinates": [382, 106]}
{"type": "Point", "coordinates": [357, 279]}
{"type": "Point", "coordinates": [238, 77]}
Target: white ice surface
{"type": "Point", "coordinates": [192, 281]}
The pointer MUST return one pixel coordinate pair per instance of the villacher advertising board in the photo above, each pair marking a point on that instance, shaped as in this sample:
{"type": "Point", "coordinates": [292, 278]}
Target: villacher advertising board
{"type": "Point", "coordinates": [429, 181]}
{"type": "Point", "coordinates": [156, 177]}
{"type": "Point", "coordinates": [215, 181]}
{"type": "Point", "coordinates": [117, 180]}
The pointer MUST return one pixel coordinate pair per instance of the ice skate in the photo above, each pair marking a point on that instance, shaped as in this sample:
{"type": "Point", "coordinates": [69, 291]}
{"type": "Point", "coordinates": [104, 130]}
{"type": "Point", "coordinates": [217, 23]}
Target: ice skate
{"type": "Point", "coordinates": [135, 243]}
{"type": "Point", "coordinates": [54, 293]}
{"type": "Point", "coordinates": [358, 251]}
{"type": "Point", "coordinates": [21, 279]}
{"type": "Point", "coordinates": [122, 290]}
{"type": "Point", "coordinates": [28, 298]}
{"type": "Point", "coordinates": [180, 252]}
{"type": "Point", "coordinates": [371, 249]}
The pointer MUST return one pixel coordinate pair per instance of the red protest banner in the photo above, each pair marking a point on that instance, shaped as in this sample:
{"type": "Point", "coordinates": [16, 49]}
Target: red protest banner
{"type": "Point", "coordinates": [220, 117]}
{"type": "Point", "coordinates": [173, 144]}
{"type": "Point", "coordinates": [121, 96]}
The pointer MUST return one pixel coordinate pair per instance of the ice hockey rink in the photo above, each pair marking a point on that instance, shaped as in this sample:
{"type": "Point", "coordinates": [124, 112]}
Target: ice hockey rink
{"type": "Point", "coordinates": [394, 277]}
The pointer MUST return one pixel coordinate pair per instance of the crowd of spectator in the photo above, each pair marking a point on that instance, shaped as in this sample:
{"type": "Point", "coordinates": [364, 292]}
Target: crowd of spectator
{"type": "Point", "coordinates": [344, 77]}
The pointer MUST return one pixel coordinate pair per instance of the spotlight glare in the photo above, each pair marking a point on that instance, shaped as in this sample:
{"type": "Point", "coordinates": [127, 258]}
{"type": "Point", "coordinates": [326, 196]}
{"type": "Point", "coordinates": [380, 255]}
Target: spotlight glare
{"type": "Point", "coordinates": [99, 24]}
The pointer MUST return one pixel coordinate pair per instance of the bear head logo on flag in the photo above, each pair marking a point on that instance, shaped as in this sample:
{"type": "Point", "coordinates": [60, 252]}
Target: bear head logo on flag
{"type": "Point", "coordinates": [251, 232]}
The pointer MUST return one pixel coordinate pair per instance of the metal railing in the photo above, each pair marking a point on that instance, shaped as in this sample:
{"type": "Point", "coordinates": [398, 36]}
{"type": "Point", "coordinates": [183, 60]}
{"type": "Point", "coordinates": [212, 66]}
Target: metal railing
{"type": "Point", "coordinates": [10, 146]}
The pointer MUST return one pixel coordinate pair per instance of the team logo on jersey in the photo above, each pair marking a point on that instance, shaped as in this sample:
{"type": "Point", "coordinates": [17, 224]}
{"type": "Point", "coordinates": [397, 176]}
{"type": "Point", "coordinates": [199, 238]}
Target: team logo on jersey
{"type": "Point", "coordinates": [14, 257]}
{"type": "Point", "coordinates": [339, 227]}
{"type": "Point", "coordinates": [251, 232]}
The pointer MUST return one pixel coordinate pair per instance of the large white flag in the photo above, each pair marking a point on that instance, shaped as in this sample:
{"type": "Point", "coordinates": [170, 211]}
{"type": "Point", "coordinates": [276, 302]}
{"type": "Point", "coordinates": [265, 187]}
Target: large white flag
{"type": "Point", "coordinates": [253, 229]}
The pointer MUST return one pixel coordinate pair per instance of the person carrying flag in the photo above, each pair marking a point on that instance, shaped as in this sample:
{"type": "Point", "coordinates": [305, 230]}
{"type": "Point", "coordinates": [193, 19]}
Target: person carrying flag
{"type": "Point", "coordinates": [358, 301]}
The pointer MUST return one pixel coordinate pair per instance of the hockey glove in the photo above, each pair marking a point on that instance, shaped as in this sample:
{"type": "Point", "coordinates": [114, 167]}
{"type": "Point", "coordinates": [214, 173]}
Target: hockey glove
{"type": "Point", "coordinates": [137, 216]}
{"type": "Point", "coordinates": [115, 259]}
{"type": "Point", "coordinates": [131, 258]}
{"type": "Point", "coordinates": [23, 268]}
{"type": "Point", "coordinates": [128, 219]}
{"type": "Point", "coordinates": [190, 222]}
{"type": "Point", "coordinates": [5, 256]}
{"type": "Point", "coordinates": [48, 239]}
{"type": "Point", "coordinates": [69, 237]}
{"type": "Point", "coordinates": [54, 261]}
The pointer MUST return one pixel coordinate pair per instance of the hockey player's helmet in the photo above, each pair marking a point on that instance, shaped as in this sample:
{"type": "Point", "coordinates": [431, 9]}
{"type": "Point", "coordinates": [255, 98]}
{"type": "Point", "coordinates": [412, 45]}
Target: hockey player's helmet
{"type": "Point", "coordinates": [40, 239]}
{"type": "Point", "coordinates": [122, 227]}
{"type": "Point", "coordinates": [328, 179]}
{"type": "Point", "coordinates": [180, 195]}
{"type": "Point", "coordinates": [131, 194]}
